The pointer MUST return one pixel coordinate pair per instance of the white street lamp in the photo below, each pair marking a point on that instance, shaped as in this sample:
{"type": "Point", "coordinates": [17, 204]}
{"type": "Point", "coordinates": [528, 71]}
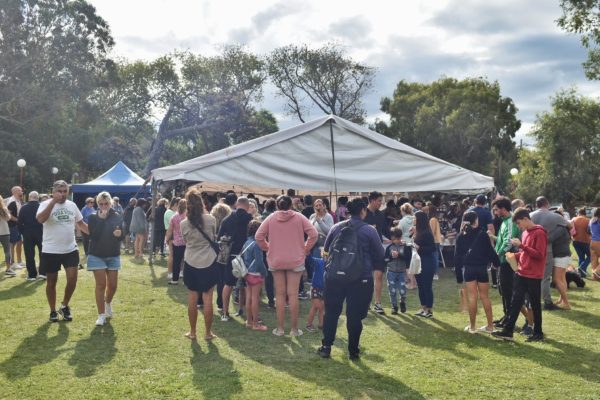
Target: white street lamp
{"type": "Point", "coordinates": [514, 171]}
{"type": "Point", "coordinates": [21, 164]}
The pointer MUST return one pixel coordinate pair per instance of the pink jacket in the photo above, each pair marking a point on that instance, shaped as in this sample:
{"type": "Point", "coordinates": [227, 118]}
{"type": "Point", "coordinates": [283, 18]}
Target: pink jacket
{"type": "Point", "coordinates": [281, 235]}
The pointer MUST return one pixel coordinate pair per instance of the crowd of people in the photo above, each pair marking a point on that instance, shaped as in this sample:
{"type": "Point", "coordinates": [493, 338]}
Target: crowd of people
{"type": "Point", "coordinates": [237, 245]}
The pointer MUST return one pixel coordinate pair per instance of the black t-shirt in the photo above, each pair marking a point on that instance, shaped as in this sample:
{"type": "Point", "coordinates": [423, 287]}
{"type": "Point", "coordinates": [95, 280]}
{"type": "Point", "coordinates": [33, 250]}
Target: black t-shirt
{"type": "Point", "coordinates": [236, 226]}
{"type": "Point", "coordinates": [378, 219]}
{"type": "Point", "coordinates": [12, 207]}
{"type": "Point", "coordinates": [308, 211]}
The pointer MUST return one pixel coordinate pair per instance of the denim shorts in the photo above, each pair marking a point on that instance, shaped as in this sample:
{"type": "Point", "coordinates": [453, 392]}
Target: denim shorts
{"type": "Point", "coordinates": [98, 263]}
{"type": "Point", "coordinates": [15, 235]}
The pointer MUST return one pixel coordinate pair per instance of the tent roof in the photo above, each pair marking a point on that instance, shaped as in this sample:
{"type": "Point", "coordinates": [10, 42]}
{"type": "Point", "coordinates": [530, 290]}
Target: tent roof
{"type": "Point", "coordinates": [118, 179]}
{"type": "Point", "coordinates": [300, 157]}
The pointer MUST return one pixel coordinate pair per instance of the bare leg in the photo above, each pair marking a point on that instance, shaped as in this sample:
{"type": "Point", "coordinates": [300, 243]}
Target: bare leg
{"type": "Point", "coordinates": [293, 282]}
{"type": "Point", "coordinates": [71, 273]}
{"type": "Point", "coordinates": [321, 308]}
{"type": "Point", "coordinates": [254, 293]}
{"type": "Point", "coordinates": [111, 285]}
{"type": "Point", "coordinates": [193, 311]}
{"type": "Point", "coordinates": [207, 298]}
{"type": "Point", "coordinates": [100, 277]}
{"type": "Point", "coordinates": [378, 275]}
{"type": "Point", "coordinates": [18, 248]}
{"type": "Point", "coordinates": [312, 311]}
{"type": "Point", "coordinates": [226, 298]}
{"type": "Point", "coordinates": [51, 278]}
{"type": "Point", "coordinates": [170, 259]}
{"type": "Point", "coordinates": [279, 280]}
{"type": "Point", "coordinates": [249, 308]}
{"type": "Point", "coordinates": [472, 299]}
{"type": "Point", "coordinates": [487, 304]}
{"type": "Point", "coordinates": [560, 280]}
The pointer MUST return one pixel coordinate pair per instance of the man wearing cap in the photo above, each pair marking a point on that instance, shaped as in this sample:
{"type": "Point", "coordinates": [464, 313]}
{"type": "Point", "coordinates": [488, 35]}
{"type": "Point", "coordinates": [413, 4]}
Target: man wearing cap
{"type": "Point", "coordinates": [60, 217]}
{"type": "Point", "coordinates": [32, 231]}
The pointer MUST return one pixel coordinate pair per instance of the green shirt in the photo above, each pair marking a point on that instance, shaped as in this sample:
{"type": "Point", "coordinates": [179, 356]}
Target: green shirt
{"type": "Point", "coordinates": [503, 238]}
{"type": "Point", "coordinates": [168, 215]}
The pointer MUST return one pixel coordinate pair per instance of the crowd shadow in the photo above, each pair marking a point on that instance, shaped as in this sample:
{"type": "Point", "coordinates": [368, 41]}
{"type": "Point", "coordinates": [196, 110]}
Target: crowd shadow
{"type": "Point", "coordinates": [580, 317]}
{"type": "Point", "coordinates": [91, 353]}
{"type": "Point", "coordinates": [434, 333]}
{"type": "Point", "coordinates": [289, 356]}
{"type": "Point", "coordinates": [23, 289]}
{"type": "Point", "coordinates": [214, 374]}
{"type": "Point", "coordinates": [35, 350]}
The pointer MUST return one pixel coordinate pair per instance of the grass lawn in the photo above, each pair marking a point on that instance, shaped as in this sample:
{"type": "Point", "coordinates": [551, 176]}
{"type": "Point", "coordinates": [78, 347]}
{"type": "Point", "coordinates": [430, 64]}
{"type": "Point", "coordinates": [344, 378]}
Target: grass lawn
{"type": "Point", "coordinates": [142, 354]}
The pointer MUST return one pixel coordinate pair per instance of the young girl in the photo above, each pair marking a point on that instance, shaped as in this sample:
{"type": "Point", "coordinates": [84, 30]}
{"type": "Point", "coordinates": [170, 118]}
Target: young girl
{"type": "Point", "coordinates": [473, 254]}
{"type": "Point", "coordinates": [316, 294]}
{"type": "Point", "coordinates": [253, 257]}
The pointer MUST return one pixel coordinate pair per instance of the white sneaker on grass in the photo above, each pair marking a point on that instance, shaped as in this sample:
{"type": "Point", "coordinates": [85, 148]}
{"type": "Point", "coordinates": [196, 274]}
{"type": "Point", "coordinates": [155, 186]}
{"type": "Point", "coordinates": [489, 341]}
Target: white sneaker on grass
{"type": "Point", "coordinates": [108, 310]}
{"type": "Point", "coordinates": [42, 277]}
{"type": "Point", "coordinates": [10, 272]}
{"type": "Point", "coordinates": [101, 320]}
{"type": "Point", "coordinates": [169, 276]}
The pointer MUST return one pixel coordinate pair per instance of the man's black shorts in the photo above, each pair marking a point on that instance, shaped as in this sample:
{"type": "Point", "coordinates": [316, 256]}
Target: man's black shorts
{"type": "Point", "coordinates": [52, 262]}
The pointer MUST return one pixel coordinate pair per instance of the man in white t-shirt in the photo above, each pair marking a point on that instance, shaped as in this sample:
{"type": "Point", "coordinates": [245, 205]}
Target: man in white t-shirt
{"type": "Point", "coordinates": [59, 248]}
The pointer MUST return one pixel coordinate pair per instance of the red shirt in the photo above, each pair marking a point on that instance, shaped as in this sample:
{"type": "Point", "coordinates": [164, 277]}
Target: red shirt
{"type": "Point", "coordinates": [532, 254]}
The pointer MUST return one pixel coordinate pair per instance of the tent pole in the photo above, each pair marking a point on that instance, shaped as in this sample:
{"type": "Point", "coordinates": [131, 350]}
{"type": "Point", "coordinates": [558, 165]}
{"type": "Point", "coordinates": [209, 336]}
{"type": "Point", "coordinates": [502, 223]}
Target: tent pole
{"type": "Point", "coordinates": [333, 159]}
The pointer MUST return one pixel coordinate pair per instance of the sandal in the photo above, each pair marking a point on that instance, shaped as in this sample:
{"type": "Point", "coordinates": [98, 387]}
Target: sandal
{"type": "Point", "coordinates": [190, 336]}
{"type": "Point", "coordinates": [278, 332]}
{"type": "Point", "coordinates": [296, 333]}
{"type": "Point", "coordinates": [259, 327]}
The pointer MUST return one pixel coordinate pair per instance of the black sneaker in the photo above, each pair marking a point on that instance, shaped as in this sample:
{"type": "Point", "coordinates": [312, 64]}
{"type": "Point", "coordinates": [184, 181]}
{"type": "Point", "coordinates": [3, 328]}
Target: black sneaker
{"type": "Point", "coordinates": [428, 314]}
{"type": "Point", "coordinates": [527, 330]}
{"type": "Point", "coordinates": [378, 309]}
{"type": "Point", "coordinates": [65, 311]}
{"type": "Point", "coordinates": [324, 351]}
{"type": "Point", "coordinates": [239, 313]}
{"type": "Point", "coordinates": [53, 316]}
{"type": "Point", "coordinates": [503, 335]}
{"type": "Point", "coordinates": [402, 307]}
{"type": "Point", "coordinates": [551, 307]}
{"type": "Point", "coordinates": [353, 356]}
{"type": "Point", "coordinates": [536, 337]}
{"type": "Point", "coordinates": [395, 311]}
{"type": "Point", "coordinates": [499, 323]}
{"type": "Point", "coordinates": [303, 295]}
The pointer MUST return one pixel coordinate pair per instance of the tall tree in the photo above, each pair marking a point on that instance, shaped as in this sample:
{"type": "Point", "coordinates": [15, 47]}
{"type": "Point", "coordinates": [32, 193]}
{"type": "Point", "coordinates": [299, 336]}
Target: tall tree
{"type": "Point", "coordinates": [583, 18]}
{"type": "Point", "coordinates": [564, 165]}
{"type": "Point", "coordinates": [53, 56]}
{"type": "Point", "coordinates": [465, 122]}
{"type": "Point", "coordinates": [325, 78]}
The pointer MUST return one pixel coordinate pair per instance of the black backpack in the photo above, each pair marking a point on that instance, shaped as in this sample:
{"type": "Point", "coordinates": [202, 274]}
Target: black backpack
{"type": "Point", "coordinates": [345, 262]}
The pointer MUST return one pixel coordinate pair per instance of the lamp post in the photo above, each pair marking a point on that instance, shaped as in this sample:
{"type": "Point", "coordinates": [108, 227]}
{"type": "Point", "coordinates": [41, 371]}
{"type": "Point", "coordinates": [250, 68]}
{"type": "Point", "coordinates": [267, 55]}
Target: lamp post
{"type": "Point", "coordinates": [54, 172]}
{"type": "Point", "coordinates": [21, 164]}
{"type": "Point", "coordinates": [514, 172]}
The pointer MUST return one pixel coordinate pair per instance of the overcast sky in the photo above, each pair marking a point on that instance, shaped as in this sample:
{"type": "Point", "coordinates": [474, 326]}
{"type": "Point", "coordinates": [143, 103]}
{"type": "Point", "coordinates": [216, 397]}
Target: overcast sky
{"type": "Point", "coordinates": [512, 41]}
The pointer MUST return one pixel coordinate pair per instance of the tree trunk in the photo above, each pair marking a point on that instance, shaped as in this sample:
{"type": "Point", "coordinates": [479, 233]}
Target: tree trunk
{"type": "Point", "coordinates": [158, 144]}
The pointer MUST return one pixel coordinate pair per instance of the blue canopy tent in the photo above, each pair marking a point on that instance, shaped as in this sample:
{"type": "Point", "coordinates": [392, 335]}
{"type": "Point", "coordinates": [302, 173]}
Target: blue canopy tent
{"type": "Point", "coordinates": [118, 181]}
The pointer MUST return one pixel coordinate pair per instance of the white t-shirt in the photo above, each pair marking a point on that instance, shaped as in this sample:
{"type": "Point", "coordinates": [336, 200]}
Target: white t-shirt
{"type": "Point", "coordinates": [59, 228]}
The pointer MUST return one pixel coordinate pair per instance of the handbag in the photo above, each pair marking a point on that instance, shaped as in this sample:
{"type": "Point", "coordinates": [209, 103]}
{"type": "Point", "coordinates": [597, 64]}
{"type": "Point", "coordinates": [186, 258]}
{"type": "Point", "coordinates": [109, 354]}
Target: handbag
{"type": "Point", "coordinates": [415, 263]}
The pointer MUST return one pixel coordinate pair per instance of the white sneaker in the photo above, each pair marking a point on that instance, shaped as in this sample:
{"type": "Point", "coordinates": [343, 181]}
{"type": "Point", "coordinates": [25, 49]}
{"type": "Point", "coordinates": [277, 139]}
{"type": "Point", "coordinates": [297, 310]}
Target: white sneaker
{"type": "Point", "coordinates": [169, 276]}
{"type": "Point", "coordinates": [436, 277]}
{"type": "Point", "coordinates": [30, 279]}
{"type": "Point", "coordinates": [108, 310]}
{"type": "Point", "coordinates": [101, 320]}
{"type": "Point", "coordinates": [42, 277]}
{"type": "Point", "coordinates": [10, 272]}
{"type": "Point", "coordinates": [15, 266]}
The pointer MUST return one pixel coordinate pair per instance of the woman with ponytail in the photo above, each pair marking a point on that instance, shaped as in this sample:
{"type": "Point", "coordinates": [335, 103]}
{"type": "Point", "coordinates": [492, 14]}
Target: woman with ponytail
{"type": "Point", "coordinates": [473, 254]}
{"type": "Point", "coordinates": [201, 269]}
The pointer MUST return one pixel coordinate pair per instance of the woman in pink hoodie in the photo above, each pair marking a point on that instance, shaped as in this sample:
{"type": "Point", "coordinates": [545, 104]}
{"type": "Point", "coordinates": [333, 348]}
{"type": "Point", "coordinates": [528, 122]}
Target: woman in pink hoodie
{"type": "Point", "coordinates": [281, 235]}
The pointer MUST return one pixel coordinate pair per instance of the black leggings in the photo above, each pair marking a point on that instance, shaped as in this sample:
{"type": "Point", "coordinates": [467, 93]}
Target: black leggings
{"type": "Point", "coordinates": [506, 280]}
{"type": "Point", "coordinates": [178, 253]}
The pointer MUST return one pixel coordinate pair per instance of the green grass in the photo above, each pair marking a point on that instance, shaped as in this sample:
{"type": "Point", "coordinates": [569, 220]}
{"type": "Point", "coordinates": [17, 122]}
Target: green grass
{"type": "Point", "coordinates": [141, 354]}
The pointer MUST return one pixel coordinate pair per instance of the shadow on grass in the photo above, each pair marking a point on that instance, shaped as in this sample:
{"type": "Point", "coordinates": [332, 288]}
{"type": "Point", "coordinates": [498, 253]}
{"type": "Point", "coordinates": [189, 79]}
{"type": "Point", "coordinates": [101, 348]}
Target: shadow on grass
{"type": "Point", "coordinates": [98, 349]}
{"type": "Point", "coordinates": [214, 375]}
{"type": "Point", "coordinates": [302, 363]}
{"type": "Point", "coordinates": [580, 317]}
{"type": "Point", "coordinates": [437, 334]}
{"type": "Point", "coordinates": [35, 350]}
{"type": "Point", "coordinates": [22, 289]}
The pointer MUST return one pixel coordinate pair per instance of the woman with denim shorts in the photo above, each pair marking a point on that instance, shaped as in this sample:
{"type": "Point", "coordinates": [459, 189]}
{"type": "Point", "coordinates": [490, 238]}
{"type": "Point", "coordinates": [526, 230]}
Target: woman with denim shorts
{"type": "Point", "coordinates": [104, 258]}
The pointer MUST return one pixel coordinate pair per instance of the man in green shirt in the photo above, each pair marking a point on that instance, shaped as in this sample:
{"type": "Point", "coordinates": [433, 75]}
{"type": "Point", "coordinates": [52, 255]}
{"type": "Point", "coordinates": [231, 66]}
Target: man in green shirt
{"type": "Point", "coordinates": [508, 230]}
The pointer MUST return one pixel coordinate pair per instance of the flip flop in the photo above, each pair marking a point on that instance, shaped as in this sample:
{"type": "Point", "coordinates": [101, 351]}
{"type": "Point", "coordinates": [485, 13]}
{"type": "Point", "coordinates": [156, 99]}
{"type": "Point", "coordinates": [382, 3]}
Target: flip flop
{"type": "Point", "coordinates": [190, 336]}
{"type": "Point", "coordinates": [259, 328]}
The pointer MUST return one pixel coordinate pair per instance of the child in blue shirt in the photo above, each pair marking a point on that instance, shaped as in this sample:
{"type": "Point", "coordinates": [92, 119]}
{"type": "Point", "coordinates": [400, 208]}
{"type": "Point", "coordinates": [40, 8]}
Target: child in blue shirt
{"type": "Point", "coordinates": [396, 270]}
{"type": "Point", "coordinates": [316, 294]}
{"type": "Point", "coordinates": [253, 258]}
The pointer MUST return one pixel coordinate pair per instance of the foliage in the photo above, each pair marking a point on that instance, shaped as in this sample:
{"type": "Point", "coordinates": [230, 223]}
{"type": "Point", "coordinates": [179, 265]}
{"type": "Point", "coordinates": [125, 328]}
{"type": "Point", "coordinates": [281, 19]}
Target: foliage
{"type": "Point", "coordinates": [564, 164]}
{"type": "Point", "coordinates": [582, 17]}
{"type": "Point", "coordinates": [54, 55]}
{"type": "Point", "coordinates": [465, 122]}
{"type": "Point", "coordinates": [142, 353]}
{"type": "Point", "coordinates": [325, 78]}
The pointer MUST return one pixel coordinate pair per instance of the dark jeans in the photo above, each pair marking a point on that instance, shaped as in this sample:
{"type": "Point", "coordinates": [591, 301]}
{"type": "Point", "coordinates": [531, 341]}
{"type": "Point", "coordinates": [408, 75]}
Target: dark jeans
{"type": "Point", "coordinates": [270, 288]}
{"type": "Point", "coordinates": [494, 276]}
{"type": "Point", "coordinates": [425, 279]}
{"type": "Point", "coordinates": [507, 276]}
{"type": "Point", "coordinates": [583, 252]}
{"type": "Point", "coordinates": [358, 297]}
{"type": "Point", "coordinates": [532, 287]}
{"type": "Point", "coordinates": [178, 252]}
{"type": "Point", "coordinates": [159, 241]}
{"type": "Point", "coordinates": [220, 285]}
{"type": "Point", "coordinates": [30, 242]}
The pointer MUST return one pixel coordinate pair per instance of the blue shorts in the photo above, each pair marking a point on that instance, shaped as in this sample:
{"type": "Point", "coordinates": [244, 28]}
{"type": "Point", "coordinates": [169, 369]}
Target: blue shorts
{"type": "Point", "coordinates": [477, 273]}
{"type": "Point", "coordinates": [15, 235]}
{"type": "Point", "coordinates": [98, 263]}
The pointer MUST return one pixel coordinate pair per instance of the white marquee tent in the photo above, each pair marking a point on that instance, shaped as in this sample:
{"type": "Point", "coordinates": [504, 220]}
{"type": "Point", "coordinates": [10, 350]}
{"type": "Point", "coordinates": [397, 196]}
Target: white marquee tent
{"type": "Point", "coordinates": [328, 154]}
